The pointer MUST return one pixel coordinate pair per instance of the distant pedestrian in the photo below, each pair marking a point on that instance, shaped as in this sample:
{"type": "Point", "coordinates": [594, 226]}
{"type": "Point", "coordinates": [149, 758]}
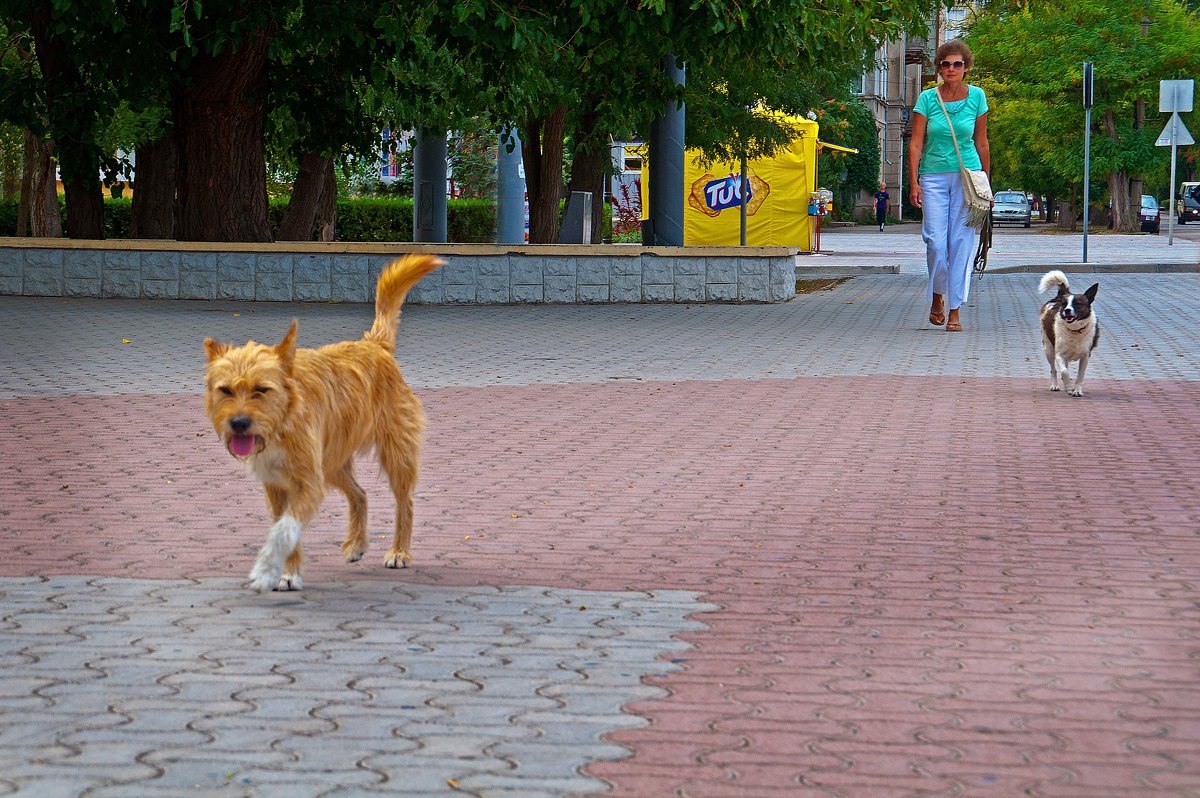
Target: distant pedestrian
{"type": "Point", "coordinates": [934, 175]}
{"type": "Point", "coordinates": [881, 204]}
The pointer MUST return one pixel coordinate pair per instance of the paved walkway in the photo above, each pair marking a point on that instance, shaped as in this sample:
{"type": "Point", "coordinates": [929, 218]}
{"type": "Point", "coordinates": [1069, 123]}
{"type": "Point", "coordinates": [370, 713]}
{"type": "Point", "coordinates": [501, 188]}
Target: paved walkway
{"type": "Point", "coordinates": [1039, 248]}
{"type": "Point", "coordinates": [818, 548]}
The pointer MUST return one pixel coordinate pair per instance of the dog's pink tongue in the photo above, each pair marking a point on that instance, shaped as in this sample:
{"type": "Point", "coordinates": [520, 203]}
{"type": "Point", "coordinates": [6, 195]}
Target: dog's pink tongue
{"type": "Point", "coordinates": [242, 445]}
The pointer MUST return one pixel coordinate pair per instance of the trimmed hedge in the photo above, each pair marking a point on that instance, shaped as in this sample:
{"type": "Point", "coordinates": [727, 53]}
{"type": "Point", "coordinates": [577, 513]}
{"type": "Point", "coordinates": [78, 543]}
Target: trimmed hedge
{"type": "Point", "coordinates": [367, 219]}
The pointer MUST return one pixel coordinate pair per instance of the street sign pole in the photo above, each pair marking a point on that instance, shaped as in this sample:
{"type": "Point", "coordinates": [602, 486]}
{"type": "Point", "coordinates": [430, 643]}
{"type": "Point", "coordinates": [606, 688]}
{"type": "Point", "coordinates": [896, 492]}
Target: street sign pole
{"type": "Point", "coordinates": [1171, 207]}
{"type": "Point", "coordinates": [1174, 96]}
{"type": "Point", "coordinates": [1087, 149]}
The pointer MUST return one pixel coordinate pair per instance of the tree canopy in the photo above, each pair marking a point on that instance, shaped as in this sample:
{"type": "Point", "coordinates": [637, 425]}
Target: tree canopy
{"type": "Point", "coordinates": [322, 79]}
{"type": "Point", "coordinates": [1029, 58]}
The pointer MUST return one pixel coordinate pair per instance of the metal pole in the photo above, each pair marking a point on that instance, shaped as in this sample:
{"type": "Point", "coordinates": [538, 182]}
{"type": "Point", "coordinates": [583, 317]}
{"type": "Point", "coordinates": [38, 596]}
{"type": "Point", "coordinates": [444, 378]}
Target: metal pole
{"type": "Point", "coordinates": [1171, 209]}
{"type": "Point", "coordinates": [510, 190]}
{"type": "Point", "coordinates": [667, 166]}
{"type": "Point", "coordinates": [744, 189]}
{"type": "Point", "coordinates": [1087, 174]}
{"type": "Point", "coordinates": [429, 187]}
{"type": "Point", "coordinates": [1087, 151]}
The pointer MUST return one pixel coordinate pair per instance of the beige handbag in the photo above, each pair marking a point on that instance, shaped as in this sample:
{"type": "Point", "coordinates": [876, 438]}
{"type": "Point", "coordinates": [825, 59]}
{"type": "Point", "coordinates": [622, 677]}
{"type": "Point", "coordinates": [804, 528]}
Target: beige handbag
{"type": "Point", "coordinates": [977, 189]}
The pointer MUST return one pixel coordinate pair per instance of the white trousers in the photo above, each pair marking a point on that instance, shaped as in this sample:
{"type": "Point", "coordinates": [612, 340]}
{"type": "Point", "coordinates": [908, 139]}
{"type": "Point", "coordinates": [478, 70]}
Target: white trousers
{"type": "Point", "coordinates": [949, 243]}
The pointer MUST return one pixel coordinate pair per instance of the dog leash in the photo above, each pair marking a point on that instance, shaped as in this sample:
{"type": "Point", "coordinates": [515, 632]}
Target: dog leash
{"type": "Point", "coordinates": [981, 252]}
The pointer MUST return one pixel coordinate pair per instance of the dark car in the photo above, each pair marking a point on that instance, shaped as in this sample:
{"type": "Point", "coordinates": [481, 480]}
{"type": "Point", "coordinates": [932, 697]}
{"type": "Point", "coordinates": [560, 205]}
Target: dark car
{"type": "Point", "coordinates": [1011, 207]}
{"type": "Point", "coordinates": [1149, 214]}
{"type": "Point", "coordinates": [1189, 210]}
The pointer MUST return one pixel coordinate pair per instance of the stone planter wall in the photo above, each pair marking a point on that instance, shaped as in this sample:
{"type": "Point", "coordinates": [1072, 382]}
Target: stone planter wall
{"type": "Point", "coordinates": [474, 274]}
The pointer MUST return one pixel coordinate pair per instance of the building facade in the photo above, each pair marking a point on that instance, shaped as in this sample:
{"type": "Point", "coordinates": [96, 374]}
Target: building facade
{"type": "Point", "coordinates": [903, 67]}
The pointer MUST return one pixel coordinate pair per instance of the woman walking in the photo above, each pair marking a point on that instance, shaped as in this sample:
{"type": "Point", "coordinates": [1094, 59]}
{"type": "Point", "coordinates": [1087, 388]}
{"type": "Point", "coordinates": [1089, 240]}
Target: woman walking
{"type": "Point", "coordinates": [935, 177]}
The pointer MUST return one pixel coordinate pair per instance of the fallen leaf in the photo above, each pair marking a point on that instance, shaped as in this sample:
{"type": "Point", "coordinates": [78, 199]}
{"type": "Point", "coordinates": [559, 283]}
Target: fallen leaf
{"type": "Point", "coordinates": [126, 341]}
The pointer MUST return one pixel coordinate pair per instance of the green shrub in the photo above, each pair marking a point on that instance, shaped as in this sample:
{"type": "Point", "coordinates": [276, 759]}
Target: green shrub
{"type": "Point", "coordinates": [8, 217]}
{"type": "Point", "coordinates": [469, 221]}
{"type": "Point", "coordinates": [364, 219]}
{"type": "Point", "coordinates": [118, 217]}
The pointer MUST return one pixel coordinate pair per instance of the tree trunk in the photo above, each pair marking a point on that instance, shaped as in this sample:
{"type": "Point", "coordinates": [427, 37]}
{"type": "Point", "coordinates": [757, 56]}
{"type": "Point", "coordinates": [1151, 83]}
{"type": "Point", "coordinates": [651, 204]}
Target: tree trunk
{"type": "Point", "coordinates": [542, 152]}
{"type": "Point", "coordinates": [39, 216]}
{"type": "Point", "coordinates": [218, 118]}
{"type": "Point", "coordinates": [72, 125]}
{"type": "Point", "coordinates": [11, 188]}
{"type": "Point", "coordinates": [28, 161]}
{"type": "Point", "coordinates": [1067, 213]}
{"type": "Point", "coordinates": [1124, 214]}
{"type": "Point", "coordinates": [85, 208]}
{"type": "Point", "coordinates": [587, 169]}
{"type": "Point", "coordinates": [154, 190]}
{"type": "Point", "coordinates": [1123, 221]}
{"type": "Point", "coordinates": [307, 191]}
{"type": "Point", "coordinates": [327, 207]}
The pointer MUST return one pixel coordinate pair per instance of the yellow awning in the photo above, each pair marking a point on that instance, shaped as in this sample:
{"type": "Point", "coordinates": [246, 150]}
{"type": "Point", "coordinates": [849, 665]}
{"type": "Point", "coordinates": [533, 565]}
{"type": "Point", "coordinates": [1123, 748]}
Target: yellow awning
{"type": "Point", "coordinates": [826, 145]}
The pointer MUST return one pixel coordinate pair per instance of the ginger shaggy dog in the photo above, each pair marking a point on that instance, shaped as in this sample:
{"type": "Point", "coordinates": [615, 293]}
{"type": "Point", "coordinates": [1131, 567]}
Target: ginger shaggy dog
{"type": "Point", "coordinates": [296, 418]}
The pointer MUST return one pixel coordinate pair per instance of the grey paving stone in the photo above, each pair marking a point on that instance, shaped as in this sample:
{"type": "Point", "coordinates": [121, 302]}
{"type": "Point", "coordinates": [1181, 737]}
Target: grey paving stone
{"type": "Point", "coordinates": [177, 685]}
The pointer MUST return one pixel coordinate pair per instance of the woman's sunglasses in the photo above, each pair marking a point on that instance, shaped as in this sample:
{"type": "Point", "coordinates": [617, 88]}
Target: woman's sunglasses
{"type": "Point", "coordinates": [955, 64]}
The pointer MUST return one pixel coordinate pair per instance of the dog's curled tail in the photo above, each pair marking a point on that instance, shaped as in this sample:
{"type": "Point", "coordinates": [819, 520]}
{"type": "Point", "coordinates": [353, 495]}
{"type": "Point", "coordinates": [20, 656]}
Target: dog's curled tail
{"type": "Point", "coordinates": [394, 284]}
{"type": "Point", "coordinates": [1054, 278]}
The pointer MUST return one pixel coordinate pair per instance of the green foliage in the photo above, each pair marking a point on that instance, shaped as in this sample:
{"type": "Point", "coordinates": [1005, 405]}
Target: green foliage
{"type": "Point", "coordinates": [9, 207]}
{"type": "Point", "coordinates": [606, 58]}
{"type": "Point", "coordinates": [1029, 61]}
{"type": "Point", "coordinates": [850, 123]}
{"type": "Point", "coordinates": [12, 147]}
{"type": "Point", "coordinates": [473, 162]}
{"type": "Point", "coordinates": [340, 72]}
{"type": "Point", "coordinates": [367, 219]}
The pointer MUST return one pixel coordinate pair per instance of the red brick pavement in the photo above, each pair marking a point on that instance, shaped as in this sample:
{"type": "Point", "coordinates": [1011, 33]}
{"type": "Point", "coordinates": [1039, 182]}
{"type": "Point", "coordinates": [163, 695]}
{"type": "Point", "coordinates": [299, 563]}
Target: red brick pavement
{"type": "Point", "coordinates": [928, 585]}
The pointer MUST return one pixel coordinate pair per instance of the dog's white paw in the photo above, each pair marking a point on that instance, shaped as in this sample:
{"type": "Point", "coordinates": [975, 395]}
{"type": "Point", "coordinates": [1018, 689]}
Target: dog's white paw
{"type": "Point", "coordinates": [282, 539]}
{"type": "Point", "coordinates": [1054, 386]}
{"type": "Point", "coordinates": [290, 582]}
{"type": "Point", "coordinates": [264, 579]}
{"type": "Point", "coordinates": [1075, 392]}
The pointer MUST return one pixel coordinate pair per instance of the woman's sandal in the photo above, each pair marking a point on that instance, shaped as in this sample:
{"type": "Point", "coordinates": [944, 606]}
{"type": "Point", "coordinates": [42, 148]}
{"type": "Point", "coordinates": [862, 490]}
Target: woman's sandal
{"type": "Point", "coordinates": [954, 326]}
{"type": "Point", "coordinates": [937, 319]}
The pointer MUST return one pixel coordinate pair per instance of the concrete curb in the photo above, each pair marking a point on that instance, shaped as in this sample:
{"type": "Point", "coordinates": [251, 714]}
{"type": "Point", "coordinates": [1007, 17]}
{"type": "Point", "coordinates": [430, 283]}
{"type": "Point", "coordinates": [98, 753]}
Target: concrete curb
{"type": "Point", "coordinates": [1100, 268]}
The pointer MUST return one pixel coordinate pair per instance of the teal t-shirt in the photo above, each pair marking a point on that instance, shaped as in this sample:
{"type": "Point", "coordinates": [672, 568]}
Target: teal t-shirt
{"type": "Point", "coordinates": [938, 155]}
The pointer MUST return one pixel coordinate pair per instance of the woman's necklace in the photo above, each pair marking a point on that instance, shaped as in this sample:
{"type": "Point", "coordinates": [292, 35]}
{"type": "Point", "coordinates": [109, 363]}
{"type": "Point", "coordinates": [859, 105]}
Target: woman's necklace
{"type": "Point", "coordinates": [956, 99]}
{"type": "Point", "coordinates": [960, 102]}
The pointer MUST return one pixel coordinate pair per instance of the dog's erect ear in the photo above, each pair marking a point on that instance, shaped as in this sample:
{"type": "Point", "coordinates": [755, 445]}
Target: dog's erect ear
{"type": "Point", "coordinates": [214, 349]}
{"type": "Point", "coordinates": [285, 350]}
{"type": "Point", "coordinates": [1091, 292]}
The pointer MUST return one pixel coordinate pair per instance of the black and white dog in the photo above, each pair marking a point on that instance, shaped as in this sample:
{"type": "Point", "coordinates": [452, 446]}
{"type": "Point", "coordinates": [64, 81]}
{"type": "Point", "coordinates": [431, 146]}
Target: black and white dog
{"type": "Point", "coordinates": [1070, 331]}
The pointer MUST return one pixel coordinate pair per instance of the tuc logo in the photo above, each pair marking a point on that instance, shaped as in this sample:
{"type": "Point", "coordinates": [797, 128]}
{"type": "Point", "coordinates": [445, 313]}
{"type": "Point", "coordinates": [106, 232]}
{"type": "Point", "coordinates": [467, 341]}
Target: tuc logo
{"type": "Point", "coordinates": [726, 193]}
{"type": "Point", "coordinates": [711, 194]}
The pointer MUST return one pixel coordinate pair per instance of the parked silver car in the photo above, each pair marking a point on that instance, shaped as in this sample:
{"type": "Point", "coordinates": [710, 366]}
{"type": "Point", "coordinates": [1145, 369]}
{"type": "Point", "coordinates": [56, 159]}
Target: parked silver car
{"type": "Point", "coordinates": [1011, 207]}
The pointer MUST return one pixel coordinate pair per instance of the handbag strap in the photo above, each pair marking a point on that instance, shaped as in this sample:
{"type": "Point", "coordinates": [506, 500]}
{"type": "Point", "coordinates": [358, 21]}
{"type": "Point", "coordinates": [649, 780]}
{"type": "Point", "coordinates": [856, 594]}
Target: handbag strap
{"type": "Point", "coordinates": [949, 122]}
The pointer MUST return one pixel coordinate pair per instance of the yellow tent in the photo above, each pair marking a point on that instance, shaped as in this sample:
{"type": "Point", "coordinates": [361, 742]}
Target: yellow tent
{"type": "Point", "coordinates": [776, 210]}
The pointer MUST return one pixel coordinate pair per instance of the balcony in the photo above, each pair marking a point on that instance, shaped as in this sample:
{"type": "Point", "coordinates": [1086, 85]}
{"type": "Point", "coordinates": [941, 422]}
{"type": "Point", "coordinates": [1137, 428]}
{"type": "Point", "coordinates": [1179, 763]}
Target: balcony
{"type": "Point", "coordinates": [916, 51]}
